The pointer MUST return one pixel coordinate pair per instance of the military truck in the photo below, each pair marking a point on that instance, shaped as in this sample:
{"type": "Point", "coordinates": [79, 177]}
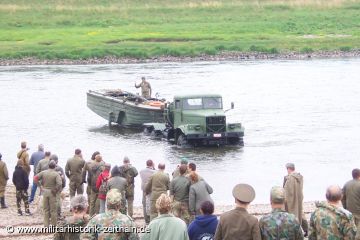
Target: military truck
{"type": "Point", "coordinates": [197, 120]}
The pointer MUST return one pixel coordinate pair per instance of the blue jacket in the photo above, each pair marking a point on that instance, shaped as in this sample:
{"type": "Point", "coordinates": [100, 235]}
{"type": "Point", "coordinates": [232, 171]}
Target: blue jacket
{"type": "Point", "coordinates": [203, 227]}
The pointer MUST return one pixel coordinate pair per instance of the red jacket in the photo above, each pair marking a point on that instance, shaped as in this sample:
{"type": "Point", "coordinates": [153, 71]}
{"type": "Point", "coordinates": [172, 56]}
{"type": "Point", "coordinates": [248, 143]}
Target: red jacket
{"type": "Point", "coordinates": [102, 177]}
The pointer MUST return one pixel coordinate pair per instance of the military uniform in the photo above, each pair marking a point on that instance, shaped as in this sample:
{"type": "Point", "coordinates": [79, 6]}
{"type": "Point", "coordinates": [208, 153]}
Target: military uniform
{"type": "Point", "coordinates": [60, 171]}
{"type": "Point", "coordinates": [145, 89]}
{"type": "Point", "coordinates": [51, 183]}
{"type": "Point", "coordinates": [238, 223]}
{"type": "Point", "coordinates": [280, 225]}
{"type": "Point", "coordinates": [23, 155]}
{"type": "Point", "coordinates": [95, 169]}
{"type": "Point", "coordinates": [4, 176]}
{"type": "Point", "coordinates": [158, 183]}
{"type": "Point", "coordinates": [119, 226]}
{"type": "Point", "coordinates": [351, 201]}
{"type": "Point", "coordinates": [42, 165]}
{"type": "Point", "coordinates": [330, 222]}
{"type": "Point", "coordinates": [86, 178]}
{"type": "Point", "coordinates": [293, 186]}
{"type": "Point", "coordinates": [73, 171]}
{"type": "Point", "coordinates": [129, 173]}
{"type": "Point", "coordinates": [179, 188]}
{"type": "Point", "coordinates": [71, 223]}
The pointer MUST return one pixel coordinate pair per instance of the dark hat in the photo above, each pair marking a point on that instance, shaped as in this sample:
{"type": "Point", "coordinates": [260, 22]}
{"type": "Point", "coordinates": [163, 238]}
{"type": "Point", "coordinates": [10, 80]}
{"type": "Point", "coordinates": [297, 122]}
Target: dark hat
{"type": "Point", "coordinates": [184, 160]}
{"type": "Point", "coordinates": [290, 165]}
{"type": "Point", "coordinates": [244, 193]}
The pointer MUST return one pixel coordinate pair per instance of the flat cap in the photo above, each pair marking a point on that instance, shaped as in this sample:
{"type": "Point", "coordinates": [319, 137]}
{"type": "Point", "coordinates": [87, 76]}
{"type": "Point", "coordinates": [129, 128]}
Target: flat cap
{"type": "Point", "coordinates": [244, 193]}
{"type": "Point", "coordinates": [290, 165]}
{"type": "Point", "coordinates": [277, 194]}
{"type": "Point", "coordinates": [113, 197]}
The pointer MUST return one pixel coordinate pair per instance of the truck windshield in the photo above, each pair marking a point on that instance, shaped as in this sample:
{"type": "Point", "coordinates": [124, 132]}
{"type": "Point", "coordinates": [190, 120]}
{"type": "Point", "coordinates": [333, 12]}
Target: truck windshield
{"type": "Point", "coordinates": [212, 103]}
{"type": "Point", "coordinates": [202, 103]}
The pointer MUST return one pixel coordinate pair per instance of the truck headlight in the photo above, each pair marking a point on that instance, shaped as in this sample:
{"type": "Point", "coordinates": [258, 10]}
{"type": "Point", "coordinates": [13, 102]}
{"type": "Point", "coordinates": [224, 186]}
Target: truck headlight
{"type": "Point", "coordinates": [197, 127]}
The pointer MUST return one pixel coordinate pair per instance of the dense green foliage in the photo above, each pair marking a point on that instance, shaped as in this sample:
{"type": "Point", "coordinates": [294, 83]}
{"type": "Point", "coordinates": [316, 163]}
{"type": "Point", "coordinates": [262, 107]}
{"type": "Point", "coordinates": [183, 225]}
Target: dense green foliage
{"type": "Point", "coordinates": [78, 29]}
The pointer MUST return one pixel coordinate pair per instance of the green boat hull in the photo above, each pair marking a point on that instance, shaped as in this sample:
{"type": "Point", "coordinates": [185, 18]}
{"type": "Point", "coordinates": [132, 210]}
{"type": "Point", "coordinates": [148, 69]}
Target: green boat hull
{"type": "Point", "coordinates": [124, 113]}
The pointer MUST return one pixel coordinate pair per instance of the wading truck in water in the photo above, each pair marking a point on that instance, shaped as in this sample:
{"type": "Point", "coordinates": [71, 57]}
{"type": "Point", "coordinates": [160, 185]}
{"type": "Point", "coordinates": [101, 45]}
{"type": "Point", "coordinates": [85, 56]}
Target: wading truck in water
{"type": "Point", "coordinates": [197, 120]}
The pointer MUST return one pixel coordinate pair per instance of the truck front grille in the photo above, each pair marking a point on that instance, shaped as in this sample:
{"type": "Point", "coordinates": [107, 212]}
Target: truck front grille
{"type": "Point", "coordinates": [216, 124]}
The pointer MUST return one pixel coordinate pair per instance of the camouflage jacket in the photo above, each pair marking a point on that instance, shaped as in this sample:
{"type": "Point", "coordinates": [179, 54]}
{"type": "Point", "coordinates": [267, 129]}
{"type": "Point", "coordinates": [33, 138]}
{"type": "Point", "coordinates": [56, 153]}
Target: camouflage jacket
{"type": "Point", "coordinates": [330, 222]}
{"type": "Point", "coordinates": [68, 225]}
{"type": "Point", "coordinates": [111, 225]}
{"type": "Point", "coordinates": [280, 225]}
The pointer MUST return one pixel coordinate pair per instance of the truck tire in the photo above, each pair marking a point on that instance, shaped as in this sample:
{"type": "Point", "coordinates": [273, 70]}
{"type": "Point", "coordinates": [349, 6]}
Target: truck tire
{"type": "Point", "coordinates": [181, 141]}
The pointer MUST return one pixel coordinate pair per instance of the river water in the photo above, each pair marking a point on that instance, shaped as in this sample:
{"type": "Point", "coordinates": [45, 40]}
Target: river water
{"type": "Point", "coordinates": [306, 112]}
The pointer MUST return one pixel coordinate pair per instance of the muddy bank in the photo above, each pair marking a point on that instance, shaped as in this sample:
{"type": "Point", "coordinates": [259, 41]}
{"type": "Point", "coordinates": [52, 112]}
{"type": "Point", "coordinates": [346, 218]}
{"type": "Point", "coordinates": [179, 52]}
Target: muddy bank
{"type": "Point", "coordinates": [9, 216]}
{"type": "Point", "coordinates": [226, 56]}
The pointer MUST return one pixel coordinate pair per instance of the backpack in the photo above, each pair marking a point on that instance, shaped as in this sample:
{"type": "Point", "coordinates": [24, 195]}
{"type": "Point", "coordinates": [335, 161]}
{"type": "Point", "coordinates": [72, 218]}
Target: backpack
{"type": "Point", "coordinates": [95, 171]}
{"type": "Point", "coordinates": [103, 186]}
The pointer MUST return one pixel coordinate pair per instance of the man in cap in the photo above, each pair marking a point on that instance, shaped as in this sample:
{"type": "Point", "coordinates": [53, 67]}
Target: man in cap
{"type": "Point", "coordinates": [78, 220]}
{"type": "Point", "coordinates": [279, 224]}
{"type": "Point", "coordinates": [330, 220]}
{"type": "Point", "coordinates": [4, 176]}
{"type": "Point", "coordinates": [179, 193]}
{"type": "Point", "coordinates": [184, 162]}
{"type": "Point", "coordinates": [158, 184]}
{"type": "Point", "coordinates": [51, 183]}
{"type": "Point", "coordinates": [238, 223]}
{"type": "Point", "coordinates": [351, 198]}
{"type": "Point", "coordinates": [23, 155]}
{"type": "Point", "coordinates": [145, 174]}
{"type": "Point", "coordinates": [73, 170]}
{"type": "Point", "coordinates": [293, 186]}
{"type": "Point", "coordinates": [145, 88]}
{"type": "Point", "coordinates": [34, 160]}
{"type": "Point", "coordinates": [123, 226]}
{"type": "Point", "coordinates": [129, 172]}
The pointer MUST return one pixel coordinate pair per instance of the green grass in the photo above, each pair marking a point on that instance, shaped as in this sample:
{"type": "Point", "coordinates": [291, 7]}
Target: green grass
{"type": "Point", "coordinates": [81, 29]}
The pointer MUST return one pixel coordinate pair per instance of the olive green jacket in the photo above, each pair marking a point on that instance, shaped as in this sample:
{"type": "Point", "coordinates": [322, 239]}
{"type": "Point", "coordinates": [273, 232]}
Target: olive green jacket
{"type": "Point", "coordinates": [24, 156]}
{"type": "Point", "coordinates": [4, 176]}
{"type": "Point", "coordinates": [73, 169]}
{"type": "Point", "coordinates": [158, 183]}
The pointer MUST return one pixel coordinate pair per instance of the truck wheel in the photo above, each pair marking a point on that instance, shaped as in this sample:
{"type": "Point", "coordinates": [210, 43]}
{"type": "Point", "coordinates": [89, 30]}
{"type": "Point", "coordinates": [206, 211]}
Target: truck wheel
{"type": "Point", "coordinates": [181, 141]}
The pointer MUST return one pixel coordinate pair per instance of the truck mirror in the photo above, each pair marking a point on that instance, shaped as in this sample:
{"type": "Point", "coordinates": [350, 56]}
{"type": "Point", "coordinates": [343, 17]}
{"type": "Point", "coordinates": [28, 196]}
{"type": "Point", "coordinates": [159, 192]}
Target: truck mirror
{"type": "Point", "coordinates": [232, 105]}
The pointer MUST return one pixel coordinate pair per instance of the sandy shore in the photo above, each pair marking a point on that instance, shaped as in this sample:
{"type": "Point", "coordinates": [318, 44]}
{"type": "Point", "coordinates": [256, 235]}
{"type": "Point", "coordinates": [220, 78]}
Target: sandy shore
{"type": "Point", "coordinates": [226, 56]}
{"type": "Point", "coordinates": [9, 216]}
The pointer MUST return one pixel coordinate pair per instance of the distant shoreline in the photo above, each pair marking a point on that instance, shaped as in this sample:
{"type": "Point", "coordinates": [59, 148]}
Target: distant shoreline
{"type": "Point", "coordinates": [225, 56]}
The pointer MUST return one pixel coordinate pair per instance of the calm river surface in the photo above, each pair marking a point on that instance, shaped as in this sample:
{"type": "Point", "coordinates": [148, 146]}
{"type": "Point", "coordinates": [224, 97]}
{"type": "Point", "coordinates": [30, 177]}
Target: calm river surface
{"type": "Point", "coordinates": [306, 112]}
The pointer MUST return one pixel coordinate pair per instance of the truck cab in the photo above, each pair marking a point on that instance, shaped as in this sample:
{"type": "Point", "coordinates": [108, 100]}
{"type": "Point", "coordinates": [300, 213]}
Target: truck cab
{"type": "Point", "coordinates": [199, 119]}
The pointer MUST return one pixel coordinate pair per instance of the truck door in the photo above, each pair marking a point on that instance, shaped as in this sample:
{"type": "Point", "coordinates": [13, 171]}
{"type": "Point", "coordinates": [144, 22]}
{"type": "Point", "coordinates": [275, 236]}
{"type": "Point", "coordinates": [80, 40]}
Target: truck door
{"type": "Point", "coordinates": [178, 113]}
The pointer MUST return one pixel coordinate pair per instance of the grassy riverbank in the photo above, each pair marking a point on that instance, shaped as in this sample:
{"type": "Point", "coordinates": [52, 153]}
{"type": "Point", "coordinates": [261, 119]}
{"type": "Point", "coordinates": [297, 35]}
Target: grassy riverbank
{"type": "Point", "coordinates": [83, 29]}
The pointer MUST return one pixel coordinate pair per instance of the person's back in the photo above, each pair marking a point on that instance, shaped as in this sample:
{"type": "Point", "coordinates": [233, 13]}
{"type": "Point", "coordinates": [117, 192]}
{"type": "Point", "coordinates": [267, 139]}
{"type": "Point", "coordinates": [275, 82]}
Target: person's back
{"type": "Point", "coordinates": [180, 187]}
{"type": "Point", "coordinates": [166, 227]}
{"type": "Point", "coordinates": [280, 225]}
{"type": "Point", "coordinates": [204, 226]}
{"type": "Point", "coordinates": [117, 182]}
{"type": "Point", "coordinates": [330, 222]}
{"type": "Point", "coordinates": [42, 165]}
{"type": "Point", "coordinates": [351, 200]}
{"type": "Point", "coordinates": [199, 192]}
{"type": "Point", "coordinates": [160, 184]}
{"type": "Point", "coordinates": [36, 157]}
{"type": "Point", "coordinates": [74, 168]}
{"type": "Point", "coordinates": [23, 155]}
{"type": "Point", "coordinates": [71, 223]}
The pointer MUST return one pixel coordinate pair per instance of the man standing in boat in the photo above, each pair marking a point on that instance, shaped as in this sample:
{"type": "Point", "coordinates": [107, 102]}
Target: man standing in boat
{"type": "Point", "coordinates": [145, 88]}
